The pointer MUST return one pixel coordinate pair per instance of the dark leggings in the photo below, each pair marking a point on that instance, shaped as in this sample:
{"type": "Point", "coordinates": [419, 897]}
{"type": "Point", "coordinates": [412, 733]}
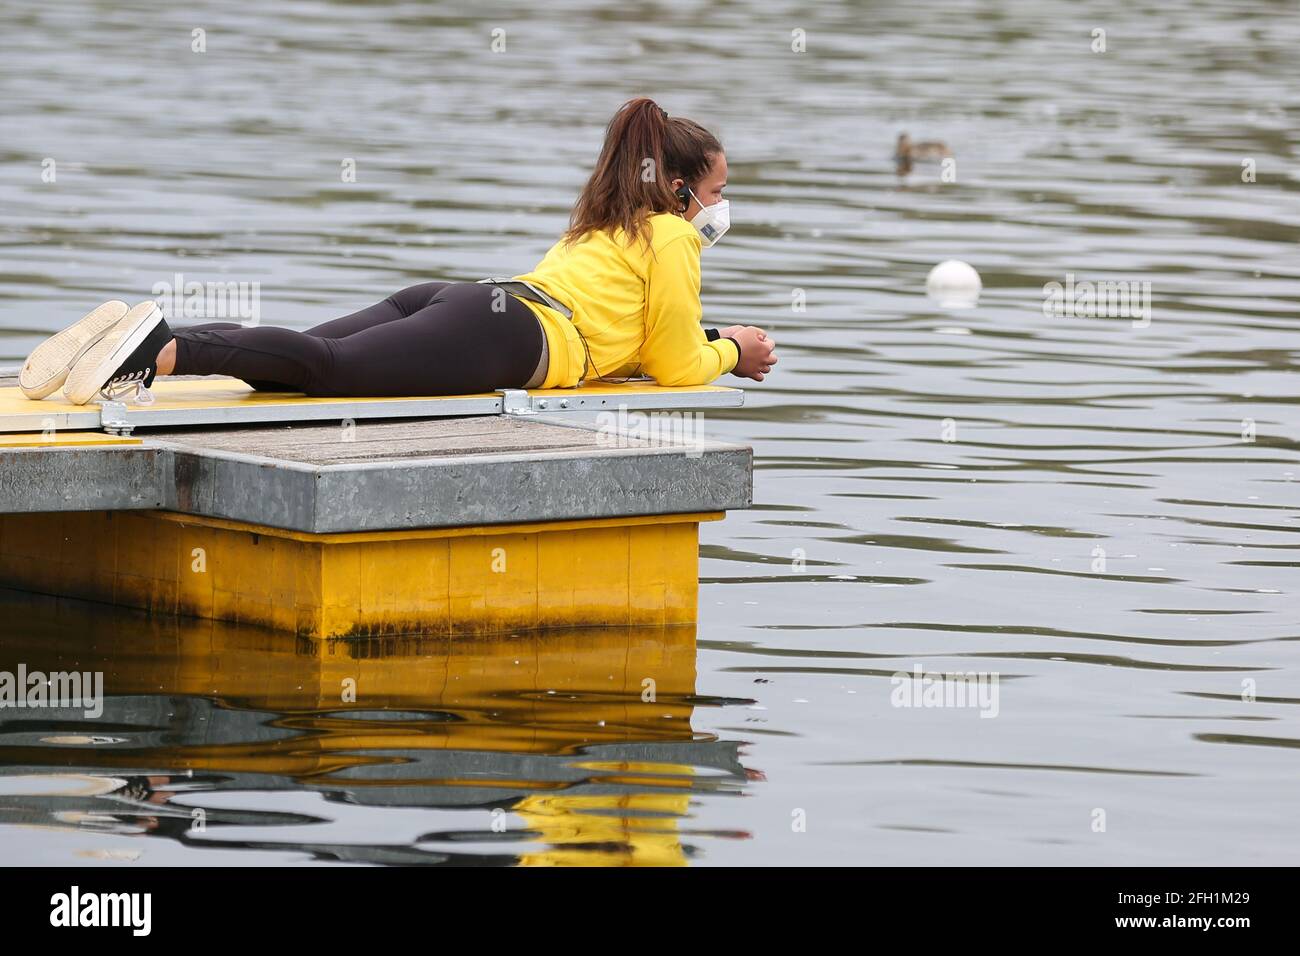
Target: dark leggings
{"type": "Point", "coordinates": [437, 338]}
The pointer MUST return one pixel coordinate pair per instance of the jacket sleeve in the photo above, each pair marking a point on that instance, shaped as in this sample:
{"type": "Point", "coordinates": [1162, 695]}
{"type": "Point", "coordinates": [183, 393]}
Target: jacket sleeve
{"type": "Point", "coordinates": [676, 350]}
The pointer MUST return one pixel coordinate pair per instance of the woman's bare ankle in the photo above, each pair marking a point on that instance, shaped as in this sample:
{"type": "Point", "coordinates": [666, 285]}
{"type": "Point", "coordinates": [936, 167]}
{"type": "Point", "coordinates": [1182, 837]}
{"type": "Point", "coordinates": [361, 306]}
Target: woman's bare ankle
{"type": "Point", "coordinates": [167, 358]}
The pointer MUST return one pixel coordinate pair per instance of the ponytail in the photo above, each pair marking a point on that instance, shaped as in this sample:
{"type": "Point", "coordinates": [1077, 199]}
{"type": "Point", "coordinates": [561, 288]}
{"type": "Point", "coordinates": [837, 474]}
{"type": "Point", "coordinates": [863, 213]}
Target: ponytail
{"type": "Point", "coordinates": [644, 151]}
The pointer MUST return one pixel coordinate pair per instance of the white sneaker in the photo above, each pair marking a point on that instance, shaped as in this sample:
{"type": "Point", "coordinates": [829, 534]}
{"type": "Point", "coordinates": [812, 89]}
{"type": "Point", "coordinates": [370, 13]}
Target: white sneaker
{"type": "Point", "coordinates": [47, 368]}
{"type": "Point", "coordinates": [124, 360]}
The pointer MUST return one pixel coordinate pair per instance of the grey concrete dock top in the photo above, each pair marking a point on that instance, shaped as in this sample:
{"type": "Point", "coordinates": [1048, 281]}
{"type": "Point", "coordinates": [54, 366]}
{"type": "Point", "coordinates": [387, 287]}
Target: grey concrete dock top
{"type": "Point", "coordinates": [375, 441]}
{"type": "Point", "coordinates": [380, 475]}
{"type": "Point", "coordinates": [370, 475]}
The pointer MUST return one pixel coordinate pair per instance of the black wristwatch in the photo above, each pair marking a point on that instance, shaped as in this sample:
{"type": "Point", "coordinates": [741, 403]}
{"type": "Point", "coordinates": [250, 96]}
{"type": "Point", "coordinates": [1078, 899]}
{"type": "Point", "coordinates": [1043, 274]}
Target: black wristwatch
{"type": "Point", "coordinates": [713, 335]}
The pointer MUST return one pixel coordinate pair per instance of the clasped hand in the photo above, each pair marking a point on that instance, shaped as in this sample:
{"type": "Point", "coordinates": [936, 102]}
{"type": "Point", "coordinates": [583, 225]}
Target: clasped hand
{"type": "Point", "coordinates": [757, 351]}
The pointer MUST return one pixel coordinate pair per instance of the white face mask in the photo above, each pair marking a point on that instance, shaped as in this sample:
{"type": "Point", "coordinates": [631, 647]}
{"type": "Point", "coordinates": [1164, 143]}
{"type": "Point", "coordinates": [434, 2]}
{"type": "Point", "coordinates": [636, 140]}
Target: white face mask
{"type": "Point", "coordinates": [711, 221]}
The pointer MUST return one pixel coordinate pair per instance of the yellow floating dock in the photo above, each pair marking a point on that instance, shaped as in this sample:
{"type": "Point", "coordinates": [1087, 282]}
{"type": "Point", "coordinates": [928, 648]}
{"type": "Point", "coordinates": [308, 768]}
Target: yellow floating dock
{"type": "Point", "coordinates": [438, 581]}
{"type": "Point", "coordinates": [371, 516]}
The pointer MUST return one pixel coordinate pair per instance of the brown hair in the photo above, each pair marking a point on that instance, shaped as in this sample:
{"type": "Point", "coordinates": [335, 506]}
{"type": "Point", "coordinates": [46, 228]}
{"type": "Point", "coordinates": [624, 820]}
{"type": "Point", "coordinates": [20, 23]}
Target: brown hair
{"type": "Point", "coordinates": [644, 152]}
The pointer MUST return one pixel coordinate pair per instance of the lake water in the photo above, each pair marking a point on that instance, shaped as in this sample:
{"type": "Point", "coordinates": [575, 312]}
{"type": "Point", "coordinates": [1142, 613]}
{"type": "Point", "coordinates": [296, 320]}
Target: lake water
{"type": "Point", "coordinates": [1096, 512]}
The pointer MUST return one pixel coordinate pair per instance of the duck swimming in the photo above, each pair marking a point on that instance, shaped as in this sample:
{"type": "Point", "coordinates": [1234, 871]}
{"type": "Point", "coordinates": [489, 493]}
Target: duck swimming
{"type": "Point", "coordinates": [906, 152]}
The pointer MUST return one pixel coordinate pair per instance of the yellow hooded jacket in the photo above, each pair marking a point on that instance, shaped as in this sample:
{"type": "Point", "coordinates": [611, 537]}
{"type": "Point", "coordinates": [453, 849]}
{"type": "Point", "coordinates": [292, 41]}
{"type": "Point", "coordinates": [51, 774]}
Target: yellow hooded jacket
{"type": "Point", "coordinates": [637, 306]}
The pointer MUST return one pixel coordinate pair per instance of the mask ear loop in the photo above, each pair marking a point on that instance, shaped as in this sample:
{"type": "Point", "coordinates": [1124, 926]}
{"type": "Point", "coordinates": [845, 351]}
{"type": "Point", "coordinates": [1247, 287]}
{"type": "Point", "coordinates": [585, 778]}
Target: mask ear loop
{"type": "Point", "coordinates": [685, 200]}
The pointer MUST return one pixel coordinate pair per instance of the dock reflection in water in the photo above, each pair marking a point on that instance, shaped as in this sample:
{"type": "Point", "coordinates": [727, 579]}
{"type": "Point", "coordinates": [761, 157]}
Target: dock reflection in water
{"type": "Point", "coordinates": [568, 747]}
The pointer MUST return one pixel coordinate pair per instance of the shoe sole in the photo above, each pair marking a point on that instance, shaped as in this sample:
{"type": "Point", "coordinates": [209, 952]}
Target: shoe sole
{"type": "Point", "coordinates": [103, 358]}
{"type": "Point", "coordinates": [47, 368]}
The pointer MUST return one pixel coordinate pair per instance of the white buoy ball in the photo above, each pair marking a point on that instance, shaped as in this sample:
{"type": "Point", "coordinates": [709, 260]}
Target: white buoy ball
{"type": "Point", "coordinates": [954, 284]}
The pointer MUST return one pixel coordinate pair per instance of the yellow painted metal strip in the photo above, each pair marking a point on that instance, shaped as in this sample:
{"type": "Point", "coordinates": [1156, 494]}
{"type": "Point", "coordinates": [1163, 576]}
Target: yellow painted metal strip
{"type": "Point", "coordinates": [62, 439]}
{"type": "Point", "coordinates": [216, 392]}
